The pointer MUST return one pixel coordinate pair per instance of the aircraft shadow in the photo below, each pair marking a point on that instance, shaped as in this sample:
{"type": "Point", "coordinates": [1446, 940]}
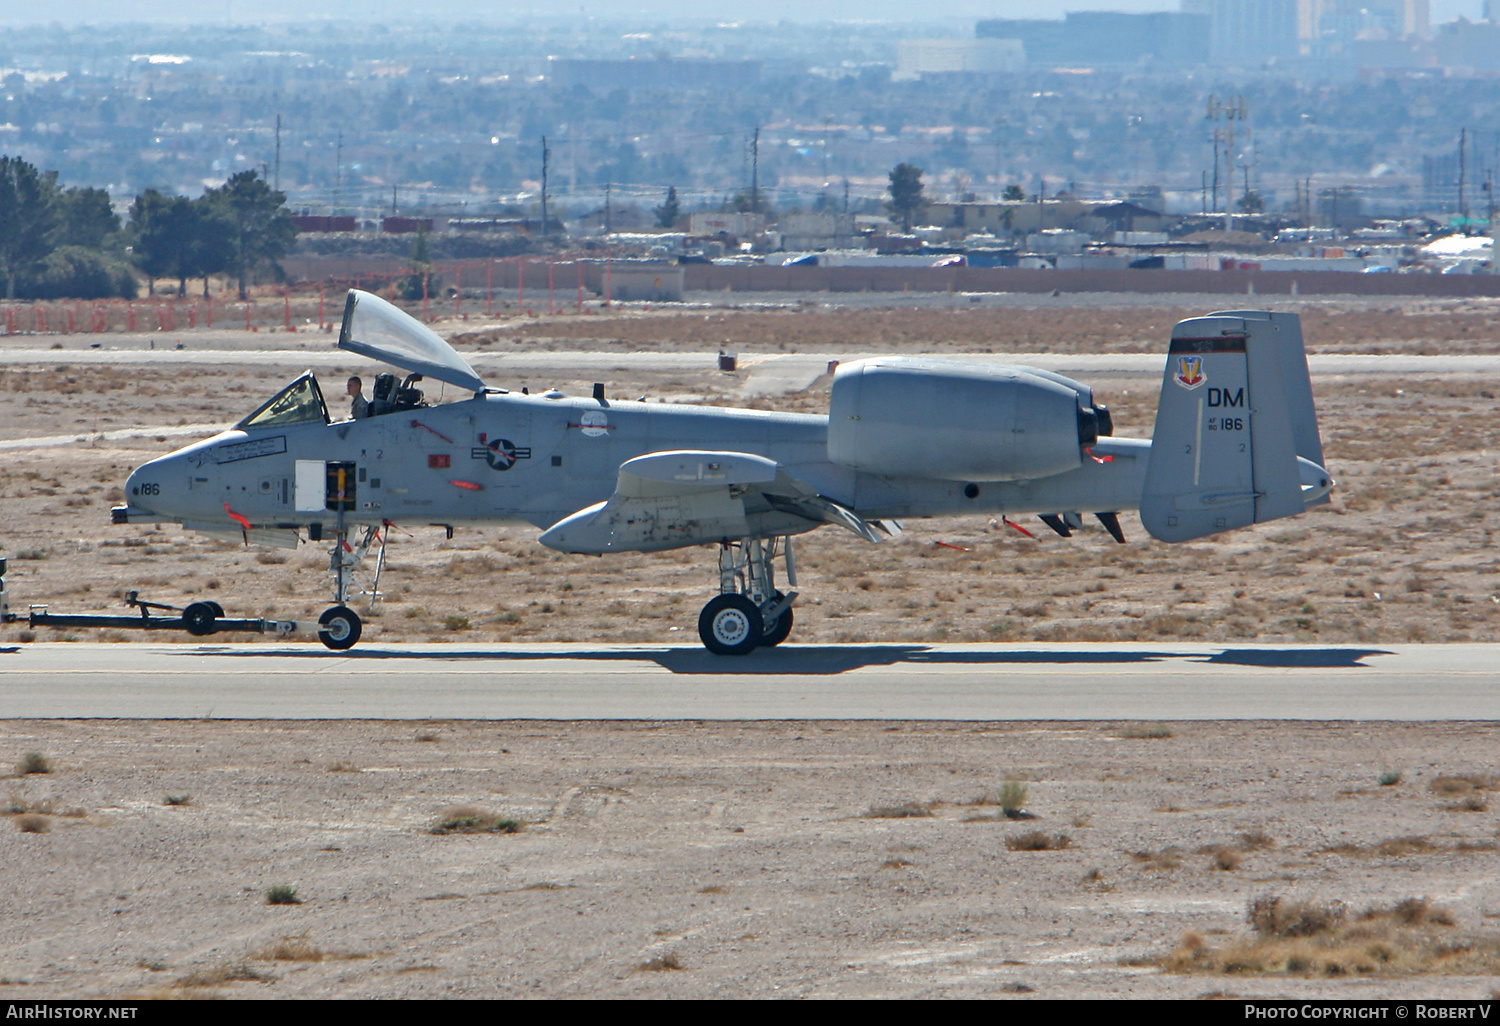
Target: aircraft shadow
{"type": "Point", "coordinates": [1320, 658]}
{"type": "Point", "coordinates": [809, 660]}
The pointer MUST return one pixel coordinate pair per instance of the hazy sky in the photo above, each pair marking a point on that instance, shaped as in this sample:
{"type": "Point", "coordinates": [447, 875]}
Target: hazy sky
{"type": "Point", "coordinates": [73, 11]}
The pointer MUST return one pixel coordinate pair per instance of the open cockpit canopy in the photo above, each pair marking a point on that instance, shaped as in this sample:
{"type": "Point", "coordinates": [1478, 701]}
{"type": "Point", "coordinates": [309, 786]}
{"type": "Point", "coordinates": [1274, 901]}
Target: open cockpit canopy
{"type": "Point", "coordinates": [374, 328]}
{"type": "Point", "coordinates": [301, 402]}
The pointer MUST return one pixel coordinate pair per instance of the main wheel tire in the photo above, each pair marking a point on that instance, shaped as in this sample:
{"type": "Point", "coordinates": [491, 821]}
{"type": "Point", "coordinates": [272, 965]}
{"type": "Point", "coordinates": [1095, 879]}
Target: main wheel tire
{"type": "Point", "coordinates": [776, 632]}
{"type": "Point", "coordinates": [339, 628]}
{"type": "Point", "coordinates": [730, 625]}
{"type": "Point", "coordinates": [199, 618]}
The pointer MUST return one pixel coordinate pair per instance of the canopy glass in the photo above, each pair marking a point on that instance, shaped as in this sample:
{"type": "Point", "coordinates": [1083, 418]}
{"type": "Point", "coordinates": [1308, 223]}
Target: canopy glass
{"type": "Point", "coordinates": [374, 328]}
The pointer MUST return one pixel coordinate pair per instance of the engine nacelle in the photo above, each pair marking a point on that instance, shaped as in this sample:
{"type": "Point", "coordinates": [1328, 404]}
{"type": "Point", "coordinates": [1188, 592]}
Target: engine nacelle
{"type": "Point", "coordinates": [951, 421]}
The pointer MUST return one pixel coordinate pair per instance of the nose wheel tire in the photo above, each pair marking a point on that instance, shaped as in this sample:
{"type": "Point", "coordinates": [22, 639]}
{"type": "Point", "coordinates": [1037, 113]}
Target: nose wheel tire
{"type": "Point", "coordinates": [730, 625]}
{"type": "Point", "coordinates": [339, 628]}
{"type": "Point", "coordinates": [777, 630]}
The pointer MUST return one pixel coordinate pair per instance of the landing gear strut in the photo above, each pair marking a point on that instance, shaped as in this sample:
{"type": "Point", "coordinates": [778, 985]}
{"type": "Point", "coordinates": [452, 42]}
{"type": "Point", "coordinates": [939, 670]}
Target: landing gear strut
{"type": "Point", "coordinates": [749, 612]}
{"type": "Point", "coordinates": [339, 627]}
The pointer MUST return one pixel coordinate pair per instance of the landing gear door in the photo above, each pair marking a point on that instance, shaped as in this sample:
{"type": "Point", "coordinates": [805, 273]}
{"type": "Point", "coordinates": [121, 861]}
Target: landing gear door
{"type": "Point", "coordinates": [311, 485]}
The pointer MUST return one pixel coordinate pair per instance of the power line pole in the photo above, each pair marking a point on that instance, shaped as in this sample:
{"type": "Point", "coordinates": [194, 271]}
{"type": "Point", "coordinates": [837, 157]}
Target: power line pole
{"type": "Point", "coordinates": [1463, 146]}
{"type": "Point", "coordinates": [755, 172]}
{"type": "Point", "coordinates": [276, 184]}
{"type": "Point", "coordinates": [1234, 110]}
{"type": "Point", "coordinates": [1216, 171]}
{"type": "Point", "coordinates": [338, 172]}
{"type": "Point", "coordinates": [1489, 199]}
{"type": "Point", "coordinates": [608, 223]}
{"type": "Point", "coordinates": [544, 186]}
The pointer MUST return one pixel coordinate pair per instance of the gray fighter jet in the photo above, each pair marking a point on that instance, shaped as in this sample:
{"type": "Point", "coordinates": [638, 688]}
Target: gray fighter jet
{"type": "Point", "coordinates": [1236, 442]}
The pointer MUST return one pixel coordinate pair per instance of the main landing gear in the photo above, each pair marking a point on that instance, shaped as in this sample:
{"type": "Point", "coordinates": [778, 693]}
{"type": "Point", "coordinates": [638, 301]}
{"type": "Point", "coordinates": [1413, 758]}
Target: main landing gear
{"type": "Point", "coordinates": [749, 612]}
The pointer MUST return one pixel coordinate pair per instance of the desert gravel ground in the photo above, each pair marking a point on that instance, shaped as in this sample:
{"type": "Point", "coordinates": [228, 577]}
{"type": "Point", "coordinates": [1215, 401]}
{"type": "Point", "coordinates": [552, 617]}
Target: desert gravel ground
{"type": "Point", "coordinates": [808, 859]}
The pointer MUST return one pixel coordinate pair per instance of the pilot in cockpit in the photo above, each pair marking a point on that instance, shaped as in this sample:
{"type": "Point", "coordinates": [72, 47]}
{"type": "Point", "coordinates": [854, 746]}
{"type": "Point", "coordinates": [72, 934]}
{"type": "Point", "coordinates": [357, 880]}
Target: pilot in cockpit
{"type": "Point", "coordinates": [359, 408]}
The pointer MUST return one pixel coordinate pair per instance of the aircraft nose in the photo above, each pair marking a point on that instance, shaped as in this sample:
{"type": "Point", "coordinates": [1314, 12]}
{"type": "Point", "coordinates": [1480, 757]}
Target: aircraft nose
{"type": "Point", "coordinates": [146, 488]}
{"type": "Point", "coordinates": [133, 489]}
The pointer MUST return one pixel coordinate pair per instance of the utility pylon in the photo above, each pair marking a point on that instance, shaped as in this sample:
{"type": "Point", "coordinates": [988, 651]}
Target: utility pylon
{"type": "Point", "coordinates": [1233, 111]}
{"type": "Point", "coordinates": [544, 186]}
{"type": "Point", "coordinates": [755, 172]}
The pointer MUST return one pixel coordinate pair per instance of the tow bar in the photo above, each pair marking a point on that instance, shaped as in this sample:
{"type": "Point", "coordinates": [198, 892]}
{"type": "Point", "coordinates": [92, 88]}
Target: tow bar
{"type": "Point", "coordinates": [197, 618]}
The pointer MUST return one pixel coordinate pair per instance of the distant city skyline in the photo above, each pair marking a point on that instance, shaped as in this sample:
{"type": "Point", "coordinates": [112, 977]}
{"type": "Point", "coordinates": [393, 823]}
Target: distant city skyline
{"type": "Point", "coordinates": [72, 12]}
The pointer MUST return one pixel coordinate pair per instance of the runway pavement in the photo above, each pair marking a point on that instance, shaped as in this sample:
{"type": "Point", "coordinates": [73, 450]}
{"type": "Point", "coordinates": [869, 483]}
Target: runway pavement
{"type": "Point", "coordinates": [643, 682]}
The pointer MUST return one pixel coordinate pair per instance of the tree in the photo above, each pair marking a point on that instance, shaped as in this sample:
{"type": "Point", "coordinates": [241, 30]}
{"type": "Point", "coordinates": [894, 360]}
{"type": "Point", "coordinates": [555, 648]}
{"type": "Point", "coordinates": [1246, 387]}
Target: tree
{"type": "Point", "coordinates": [211, 249]}
{"type": "Point", "coordinates": [421, 283]}
{"type": "Point", "coordinates": [260, 227]}
{"type": "Point", "coordinates": [161, 230]}
{"type": "Point", "coordinates": [1014, 194]}
{"type": "Point", "coordinates": [175, 237]}
{"type": "Point", "coordinates": [26, 219]}
{"type": "Point", "coordinates": [85, 217]}
{"type": "Point", "coordinates": [668, 213]}
{"type": "Point", "coordinates": [906, 193]}
{"type": "Point", "coordinates": [1251, 203]}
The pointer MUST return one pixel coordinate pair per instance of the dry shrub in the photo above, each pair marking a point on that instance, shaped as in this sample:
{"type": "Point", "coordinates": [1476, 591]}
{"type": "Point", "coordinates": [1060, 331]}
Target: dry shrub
{"type": "Point", "coordinates": [1255, 840]}
{"type": "Point", "coordinates": [1145, 731]}
{"type": "Point", "coordinates": [1411, 844]}
{"type": "Point", "coordinates": [290, 949]}
{"type": "Point", "coordinates": [34, 762]}
{"type": "Point", "coordinates": [470, 819]}
{"type": "Point", "coordinates": [1273, 916]}
{"type": "Point", "coordinates": [1038, 840]}
{"type": "Point", "coordinates": [1451, 784]}
{"type": "Point", "coordinates": [668, 963]}
{"type": "Point", "coordinates": [1225, 859]}
{"type": "Point", "coordinates": [1470, 803]}
{"type": "Point", "coordinates": [1410, 912]}
{"type": "Point", "coordinates": [343, 766]}
{"type": "Point", "coordinates": [31, 823]}
{"type": "Point", "coordinates": [1411, 936]}
{"type": "Point", "coordinates": [282, 894]}
{"type": "Point", "coordinates": [1167, 858]}
{"type": "Point", "coordinates": [911, 810]}
{"type": "Point", "coordinates": [224, 972]}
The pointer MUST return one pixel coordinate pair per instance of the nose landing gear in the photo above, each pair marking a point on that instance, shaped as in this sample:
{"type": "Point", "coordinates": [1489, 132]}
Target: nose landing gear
{"type": "Point", "coordinates": [340, 627]}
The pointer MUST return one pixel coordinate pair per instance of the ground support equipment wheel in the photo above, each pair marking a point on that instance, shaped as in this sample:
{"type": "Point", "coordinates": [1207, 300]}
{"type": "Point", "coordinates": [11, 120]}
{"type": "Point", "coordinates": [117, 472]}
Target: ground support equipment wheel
{"type": "Point", "coordinates": [199, 618]}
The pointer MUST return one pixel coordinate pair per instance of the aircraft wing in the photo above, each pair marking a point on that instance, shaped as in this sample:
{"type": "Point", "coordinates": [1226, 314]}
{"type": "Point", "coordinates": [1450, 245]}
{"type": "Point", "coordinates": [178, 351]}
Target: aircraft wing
{"type": "Point", "coordinates": [668, 500]}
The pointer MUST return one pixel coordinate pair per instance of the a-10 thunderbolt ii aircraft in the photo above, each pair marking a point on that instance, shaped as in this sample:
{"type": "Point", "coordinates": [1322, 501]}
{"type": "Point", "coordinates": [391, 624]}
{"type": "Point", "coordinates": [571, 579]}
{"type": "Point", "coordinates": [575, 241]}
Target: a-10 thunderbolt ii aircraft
{"type": "Point", "coordinates": [1236, 442]}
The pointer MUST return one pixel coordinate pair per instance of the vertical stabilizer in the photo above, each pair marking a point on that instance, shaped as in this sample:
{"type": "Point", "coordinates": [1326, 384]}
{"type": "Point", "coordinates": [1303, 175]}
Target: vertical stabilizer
{"type": "Point", "coordinates": [1235, 414]}
{"type": "Point", "coordinates": [1283, 335]}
